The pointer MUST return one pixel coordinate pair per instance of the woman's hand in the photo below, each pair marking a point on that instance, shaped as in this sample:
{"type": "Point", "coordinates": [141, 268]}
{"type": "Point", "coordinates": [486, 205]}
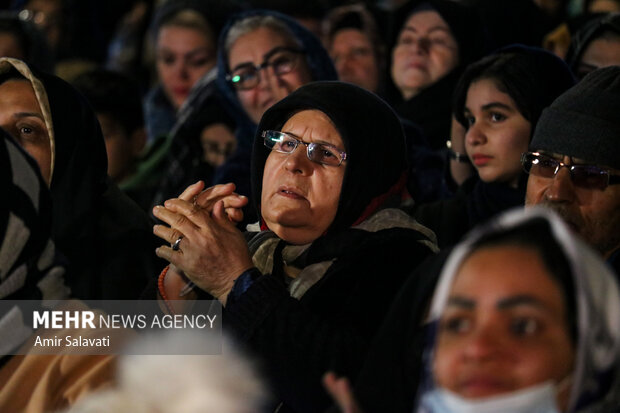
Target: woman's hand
{"type": "Point", "coordinates": [212, 252]}
{"type": "Point", "coordinates": [340, 390]}
{"type": "Point", "coordinates": [233, 202]}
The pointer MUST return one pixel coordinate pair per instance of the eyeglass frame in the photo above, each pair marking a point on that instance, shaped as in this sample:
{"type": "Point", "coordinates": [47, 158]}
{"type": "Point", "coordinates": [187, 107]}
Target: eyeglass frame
{"type": "Point", "coordinates": [265, 63]}
{"type": "Point", "coordinates": [343, 154]}
{"type": "Point", "coordinates": [612, 179]}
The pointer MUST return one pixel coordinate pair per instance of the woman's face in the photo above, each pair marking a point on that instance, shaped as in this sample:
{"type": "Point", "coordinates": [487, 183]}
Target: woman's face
{"type": "Point", "coordinates": [21, 117]}
{"type": "Point", "coordinates": [426, 51]}
{"type": "Point", "coordinates": [183, 56]}
{"type": "Point", "coordinates": [300, 197]}
{"type": "Point", "coordinates": [504, 327]}
{"type": "Point", "coordinates": [252, 48]}
{"type": "Point", "coordinates": [355, 58]}
{"type": "Point", "coordinates": [497, 134]}
{"type": "Point", "coordinates": [602, 52]}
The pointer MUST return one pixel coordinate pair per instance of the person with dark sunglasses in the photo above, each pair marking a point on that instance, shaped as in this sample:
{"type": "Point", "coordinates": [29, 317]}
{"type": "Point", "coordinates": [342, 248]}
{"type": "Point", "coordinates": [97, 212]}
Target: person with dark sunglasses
{"type": "Point", "coordinates": [574, 161]}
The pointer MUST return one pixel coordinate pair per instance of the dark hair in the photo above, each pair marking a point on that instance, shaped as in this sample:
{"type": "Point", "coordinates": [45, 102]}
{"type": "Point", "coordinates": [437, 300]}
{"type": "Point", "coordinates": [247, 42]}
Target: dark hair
{"type": "Point", "coordinates": [115, 94]}
{"type": "Point", "coordinates": [536, 235]}
{"type": "Point", "coordinates": [532, 77]}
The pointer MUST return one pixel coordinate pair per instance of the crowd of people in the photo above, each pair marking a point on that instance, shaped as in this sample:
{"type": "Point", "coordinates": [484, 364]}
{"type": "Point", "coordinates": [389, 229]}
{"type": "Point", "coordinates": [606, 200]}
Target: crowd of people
{"type": "Point", "coordinates": [404, 206]}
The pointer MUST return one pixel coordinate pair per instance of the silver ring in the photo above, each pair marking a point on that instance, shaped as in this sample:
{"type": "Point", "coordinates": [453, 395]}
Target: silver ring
{"type": "Point", "coordinates": [177, 243]}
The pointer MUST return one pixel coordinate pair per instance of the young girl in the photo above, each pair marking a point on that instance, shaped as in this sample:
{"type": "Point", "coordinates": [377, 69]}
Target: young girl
{"type": "Point", "coordinates": [498, 100]}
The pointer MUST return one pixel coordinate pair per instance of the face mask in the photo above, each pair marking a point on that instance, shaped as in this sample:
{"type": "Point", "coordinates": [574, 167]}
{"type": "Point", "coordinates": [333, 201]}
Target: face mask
{"type": "Point", "coordinates": [535, 399]}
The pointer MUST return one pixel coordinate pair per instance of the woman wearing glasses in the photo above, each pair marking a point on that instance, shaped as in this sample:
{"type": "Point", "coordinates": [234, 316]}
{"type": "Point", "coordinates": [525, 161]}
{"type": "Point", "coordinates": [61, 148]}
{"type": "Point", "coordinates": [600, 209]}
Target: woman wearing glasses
{"type": "Point", "coordinates": [263, 56]}
{"type": "Point", "coordinates": [498, 100]}
{"type": "Point", "coordinates": [308, 285]}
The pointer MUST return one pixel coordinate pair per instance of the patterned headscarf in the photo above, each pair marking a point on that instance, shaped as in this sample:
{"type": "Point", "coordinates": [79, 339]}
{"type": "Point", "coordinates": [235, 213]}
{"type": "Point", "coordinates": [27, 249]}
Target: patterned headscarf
{"type": "Point", "coordinates": [29, 268]}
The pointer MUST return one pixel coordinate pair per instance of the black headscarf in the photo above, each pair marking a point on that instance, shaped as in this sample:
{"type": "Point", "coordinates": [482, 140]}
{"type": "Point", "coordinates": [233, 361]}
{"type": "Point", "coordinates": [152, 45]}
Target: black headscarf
{"type": "Point", "coordinates": [372, 136]}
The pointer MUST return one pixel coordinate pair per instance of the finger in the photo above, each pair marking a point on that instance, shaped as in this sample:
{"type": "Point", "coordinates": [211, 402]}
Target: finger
{"type": "Point", "coordinates": [168, 234]}
{"type": "Point", "coordinates": [179, 222]}
{"type": "Point", "coordinates": [166, 253]}
{"type": "Point", "coordinates": [219, 213]}
{"type": "Point", "coordinates": [235, 201]}
{"type": "Point", "coordinates": [191, 191]}
{"type": "Point", "coordinates": [234, 214]}
{"type": "Point", "coordinates": [340, 390]}
{"type": "Point", "coordinates": [204, 199]}
{"type": "Point", "coordinates": [198, 216]}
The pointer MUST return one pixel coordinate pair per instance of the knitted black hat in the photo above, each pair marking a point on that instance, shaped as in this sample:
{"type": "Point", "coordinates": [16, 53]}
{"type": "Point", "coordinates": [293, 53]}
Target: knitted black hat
{"type": "Point", "coordinates": [584, 122]}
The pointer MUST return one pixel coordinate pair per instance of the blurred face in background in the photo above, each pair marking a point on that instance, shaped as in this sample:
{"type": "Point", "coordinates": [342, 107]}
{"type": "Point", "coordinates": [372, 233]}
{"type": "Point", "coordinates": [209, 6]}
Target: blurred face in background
{"type": "Point", "coordinates": [122, 147]}
{"type": "Point", "coordinates": [48, 17]}
{"type": "Point", "coordinates": [601, 52]}
{"type": "Point", "coordinates": [252, 49]}
{"type": "Point", "coordinates": [355, 58]}
{"type": "Point", "coordinates": [10, 47]}
{"type": "Point", "coordinates": [183, 56]}
{"type": "Point", "coordinates": [218, 143]}
{"type": "Point", "coordinates": [425, 52]}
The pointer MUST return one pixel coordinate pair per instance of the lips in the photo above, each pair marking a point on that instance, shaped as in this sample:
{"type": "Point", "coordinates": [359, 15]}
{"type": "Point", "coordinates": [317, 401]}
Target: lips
{"type": "Point", "coordinates": [290, 192]}
{"type": "Point", "coordinates": [483, 385]}
{"type": "Point", "coordinates": [180, 91]}
{"type": "Point", "coordinates": [481, 160]}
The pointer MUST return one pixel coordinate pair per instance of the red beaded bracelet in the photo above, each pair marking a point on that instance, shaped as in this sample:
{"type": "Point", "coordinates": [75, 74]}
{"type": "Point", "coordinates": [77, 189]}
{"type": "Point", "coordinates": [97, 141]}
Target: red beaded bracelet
{"type": "Point", "coordinates": [162, 289]}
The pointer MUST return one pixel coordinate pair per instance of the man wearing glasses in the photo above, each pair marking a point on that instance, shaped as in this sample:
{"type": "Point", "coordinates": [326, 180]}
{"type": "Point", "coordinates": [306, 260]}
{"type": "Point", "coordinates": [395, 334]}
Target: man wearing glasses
{"type": "Point", "coordinates": [574, 165]}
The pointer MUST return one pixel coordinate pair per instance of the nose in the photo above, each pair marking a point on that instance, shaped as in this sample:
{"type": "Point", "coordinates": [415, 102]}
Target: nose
{"type": "Point", "coordinates": [561, 188]}
{"type": "Point", "coordinates": [343, 64]}
{"type": "Point", "coordinates": [180, 69]}
{"type": "Point", "coordinates": [298, 162]}
{"type": "Point", "coordinates": [421, 45]}
{"type": "Point", "coordinates": [475, 135]}
{"type": "Point", "coordinates": [483, 344]}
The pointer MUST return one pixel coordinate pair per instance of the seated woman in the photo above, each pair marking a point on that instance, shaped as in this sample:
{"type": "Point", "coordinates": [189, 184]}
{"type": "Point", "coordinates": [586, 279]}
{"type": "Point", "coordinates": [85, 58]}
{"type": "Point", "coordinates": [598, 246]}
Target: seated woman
{"type": "Point", "coordinates": [498, 100]}
{"type": "Point", "coordinates": [31, 270]}
{"type": "Point", "coordinates": [523, 319]}
{"type": "Point", "coordinates": [104, 235]}
{"type": "Point", "coordinates": [308, 285]}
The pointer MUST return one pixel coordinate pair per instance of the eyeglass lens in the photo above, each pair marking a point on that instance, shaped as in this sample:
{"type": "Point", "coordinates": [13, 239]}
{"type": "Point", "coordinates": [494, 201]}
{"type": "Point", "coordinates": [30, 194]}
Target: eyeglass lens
{"type": "Point", "coordinates": [585, 176]}
{"type": "Point", "coordinates": [316, 152]}
{"type": "Point", "coordinates": [248, 76]}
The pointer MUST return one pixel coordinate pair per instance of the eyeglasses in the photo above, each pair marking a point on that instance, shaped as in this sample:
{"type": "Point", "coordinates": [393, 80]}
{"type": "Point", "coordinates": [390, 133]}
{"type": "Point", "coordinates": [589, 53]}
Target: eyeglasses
{"type": "Point", "coordinates": [317, 152]}
{"type": "Point", "coordinates": [583, 176]}
{"type": "Point", "coordinates": [283, 60]}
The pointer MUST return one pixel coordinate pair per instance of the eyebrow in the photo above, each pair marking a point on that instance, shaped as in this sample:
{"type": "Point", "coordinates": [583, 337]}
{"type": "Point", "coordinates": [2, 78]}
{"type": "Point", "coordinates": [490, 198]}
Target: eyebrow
{"type": "Point", "coordinates": [497, 105]}
{"type": "Point", "coordinates": [28, 115]}
{"type": "Point", "coordinates": [503, 304]}
{"type": "Point", "coordinates": [320, 141]}
{"type": "Point", "coordinates": [265, 57]}
{"type": "Point", "coordinates": [519, 300]}
{"type": "Point", "coordinates": [458, 301]}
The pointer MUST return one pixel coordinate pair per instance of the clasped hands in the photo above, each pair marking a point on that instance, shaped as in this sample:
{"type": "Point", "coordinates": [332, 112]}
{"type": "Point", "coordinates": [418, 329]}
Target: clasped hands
{"type": "Point", "coordinates": [212, 252]}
